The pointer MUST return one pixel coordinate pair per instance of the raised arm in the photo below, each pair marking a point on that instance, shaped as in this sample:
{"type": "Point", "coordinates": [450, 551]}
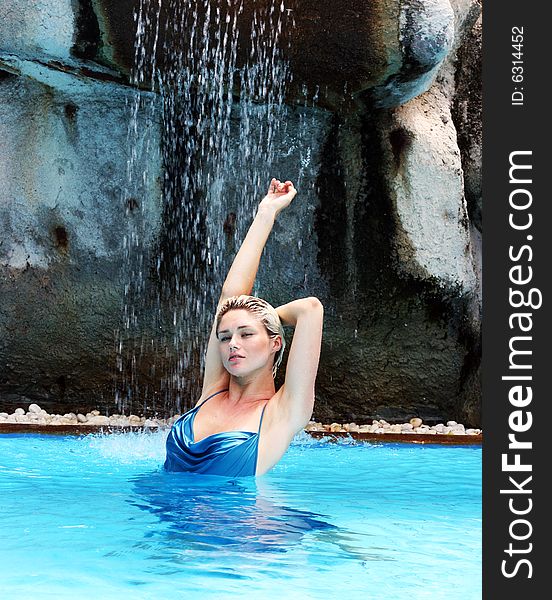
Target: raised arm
{"type": "Point", "coordinates": [242, 273]}
{"type": "Point", "coordinates": [297, 399]}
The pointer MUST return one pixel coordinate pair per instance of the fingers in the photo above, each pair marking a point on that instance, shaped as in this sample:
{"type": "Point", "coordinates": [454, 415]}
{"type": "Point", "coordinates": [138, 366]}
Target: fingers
{"type": "Point", "coordinates": [276, 186]}
{"type": "Point", "coordinates": [287, 187]}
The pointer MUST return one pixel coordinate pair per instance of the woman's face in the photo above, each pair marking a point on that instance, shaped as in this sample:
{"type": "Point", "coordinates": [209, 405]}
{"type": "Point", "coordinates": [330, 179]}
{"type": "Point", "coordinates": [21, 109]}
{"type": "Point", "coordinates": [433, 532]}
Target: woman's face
{"type": "Point", "coordinates": [244, 343]}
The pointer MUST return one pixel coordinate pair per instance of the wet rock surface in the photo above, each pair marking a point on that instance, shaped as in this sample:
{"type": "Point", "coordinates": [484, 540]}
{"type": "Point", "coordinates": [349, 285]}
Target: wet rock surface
{"type": "Point", "coordinates": [389, 196]}
{"type": "Point", "coordinates": [387, 49]}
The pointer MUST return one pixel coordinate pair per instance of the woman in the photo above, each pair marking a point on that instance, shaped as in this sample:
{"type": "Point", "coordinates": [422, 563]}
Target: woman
{"type": "Point", "coordinates": [241, 425]}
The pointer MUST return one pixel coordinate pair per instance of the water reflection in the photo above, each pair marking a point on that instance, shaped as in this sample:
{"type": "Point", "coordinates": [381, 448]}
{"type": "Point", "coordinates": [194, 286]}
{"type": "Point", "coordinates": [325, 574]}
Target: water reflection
{"type": "Point", "coordinates": [211, 513]}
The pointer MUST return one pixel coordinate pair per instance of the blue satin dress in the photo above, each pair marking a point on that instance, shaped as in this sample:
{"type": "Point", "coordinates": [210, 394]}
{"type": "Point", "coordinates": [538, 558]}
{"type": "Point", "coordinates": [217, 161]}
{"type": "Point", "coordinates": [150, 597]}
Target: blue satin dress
{"type": "Point", "coordinates": [229, 453]}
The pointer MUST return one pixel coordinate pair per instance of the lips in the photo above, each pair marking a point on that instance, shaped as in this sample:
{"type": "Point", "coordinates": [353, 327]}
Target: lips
{"type": "Point", "coordinates": [235, 356]}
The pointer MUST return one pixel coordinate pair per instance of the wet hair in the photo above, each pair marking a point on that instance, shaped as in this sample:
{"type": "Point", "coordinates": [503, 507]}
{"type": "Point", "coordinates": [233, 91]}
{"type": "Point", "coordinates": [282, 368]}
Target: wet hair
{"type": "Point", "coordinates": [265, 312]}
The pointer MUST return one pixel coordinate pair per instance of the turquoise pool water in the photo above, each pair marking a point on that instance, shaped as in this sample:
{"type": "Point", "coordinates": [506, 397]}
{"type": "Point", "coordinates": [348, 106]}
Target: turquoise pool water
{"type": "Point", "coordinates": [96, 517]}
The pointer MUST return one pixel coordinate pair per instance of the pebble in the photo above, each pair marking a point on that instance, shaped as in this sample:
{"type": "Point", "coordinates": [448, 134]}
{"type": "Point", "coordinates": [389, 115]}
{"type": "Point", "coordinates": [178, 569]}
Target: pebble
{"type": "Point", "coordinates": [98, 420]}
{"type": "Point", "coordinates": [39, 416]}
{"type": "Point", "coordinates": [312, 426]}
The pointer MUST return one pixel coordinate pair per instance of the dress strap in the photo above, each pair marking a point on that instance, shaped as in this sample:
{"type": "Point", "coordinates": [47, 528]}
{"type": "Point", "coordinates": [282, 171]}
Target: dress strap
{"type": "Point", "coordinates": [209, 397]}
{"type": "Point", "coordinates": [261, 421]}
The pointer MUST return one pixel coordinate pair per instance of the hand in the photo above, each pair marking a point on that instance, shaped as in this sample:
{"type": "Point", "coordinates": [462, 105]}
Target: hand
{"type": "Point", "coordinates": [279, 195]}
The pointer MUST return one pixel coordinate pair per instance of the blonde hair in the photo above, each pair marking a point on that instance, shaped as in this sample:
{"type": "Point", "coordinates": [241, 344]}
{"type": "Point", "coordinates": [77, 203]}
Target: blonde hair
{"type": "Point", "coordinates": [265, 312]}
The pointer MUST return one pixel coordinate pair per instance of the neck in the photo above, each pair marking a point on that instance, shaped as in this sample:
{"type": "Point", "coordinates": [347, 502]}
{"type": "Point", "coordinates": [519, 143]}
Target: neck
{"type": "Point", "coordinates": [251, 388]}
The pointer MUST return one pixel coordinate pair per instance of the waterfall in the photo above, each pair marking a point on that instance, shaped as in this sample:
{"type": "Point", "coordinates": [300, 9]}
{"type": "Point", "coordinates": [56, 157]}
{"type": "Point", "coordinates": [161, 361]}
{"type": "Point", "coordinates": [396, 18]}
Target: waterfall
{"type": "Point", "coordinates": [215, 89]}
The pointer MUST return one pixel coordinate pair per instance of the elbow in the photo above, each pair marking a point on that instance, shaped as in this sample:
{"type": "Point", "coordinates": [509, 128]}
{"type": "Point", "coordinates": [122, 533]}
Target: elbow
{"type": "Point", "coordinates": [315, 304]}
{"type": "Point", "coordinates": [310, 308]}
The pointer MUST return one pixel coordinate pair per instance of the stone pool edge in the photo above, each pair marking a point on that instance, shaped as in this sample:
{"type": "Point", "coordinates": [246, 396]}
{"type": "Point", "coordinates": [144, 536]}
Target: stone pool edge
{"type": "Point", "coordinates": [411, 438]}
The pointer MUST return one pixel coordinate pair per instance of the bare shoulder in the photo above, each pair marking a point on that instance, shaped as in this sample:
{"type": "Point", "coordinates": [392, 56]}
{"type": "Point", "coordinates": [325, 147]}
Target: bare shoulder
{"type": "Point", "coordinates": [213, 388]}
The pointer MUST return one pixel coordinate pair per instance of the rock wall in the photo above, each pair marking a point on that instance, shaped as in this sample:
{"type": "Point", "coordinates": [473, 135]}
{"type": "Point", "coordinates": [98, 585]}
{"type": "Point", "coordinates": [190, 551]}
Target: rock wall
{"type": "Point", "coordinates": [388, 165]}
{"type": "Point", "coordinates": [63, 213]}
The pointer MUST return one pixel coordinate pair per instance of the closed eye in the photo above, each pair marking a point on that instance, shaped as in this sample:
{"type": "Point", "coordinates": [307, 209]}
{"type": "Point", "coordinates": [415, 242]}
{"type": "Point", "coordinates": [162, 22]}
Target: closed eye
{"type": "Point", "coordinates": [225, 338]}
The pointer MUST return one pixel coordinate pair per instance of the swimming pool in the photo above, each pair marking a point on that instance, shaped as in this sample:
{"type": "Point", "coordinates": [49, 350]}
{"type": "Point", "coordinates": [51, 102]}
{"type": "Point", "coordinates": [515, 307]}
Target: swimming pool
{"type": "Point", "coordinates": [96, 516]}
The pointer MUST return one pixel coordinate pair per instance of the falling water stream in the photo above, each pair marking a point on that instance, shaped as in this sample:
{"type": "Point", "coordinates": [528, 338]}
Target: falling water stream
{"type": "Point", "coordinates": [212, 123]}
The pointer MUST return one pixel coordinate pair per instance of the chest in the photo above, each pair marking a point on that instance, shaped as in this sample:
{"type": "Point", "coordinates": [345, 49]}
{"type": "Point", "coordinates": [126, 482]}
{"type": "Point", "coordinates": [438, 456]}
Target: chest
{"type": "Point", "coordinates": [207, 422]}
